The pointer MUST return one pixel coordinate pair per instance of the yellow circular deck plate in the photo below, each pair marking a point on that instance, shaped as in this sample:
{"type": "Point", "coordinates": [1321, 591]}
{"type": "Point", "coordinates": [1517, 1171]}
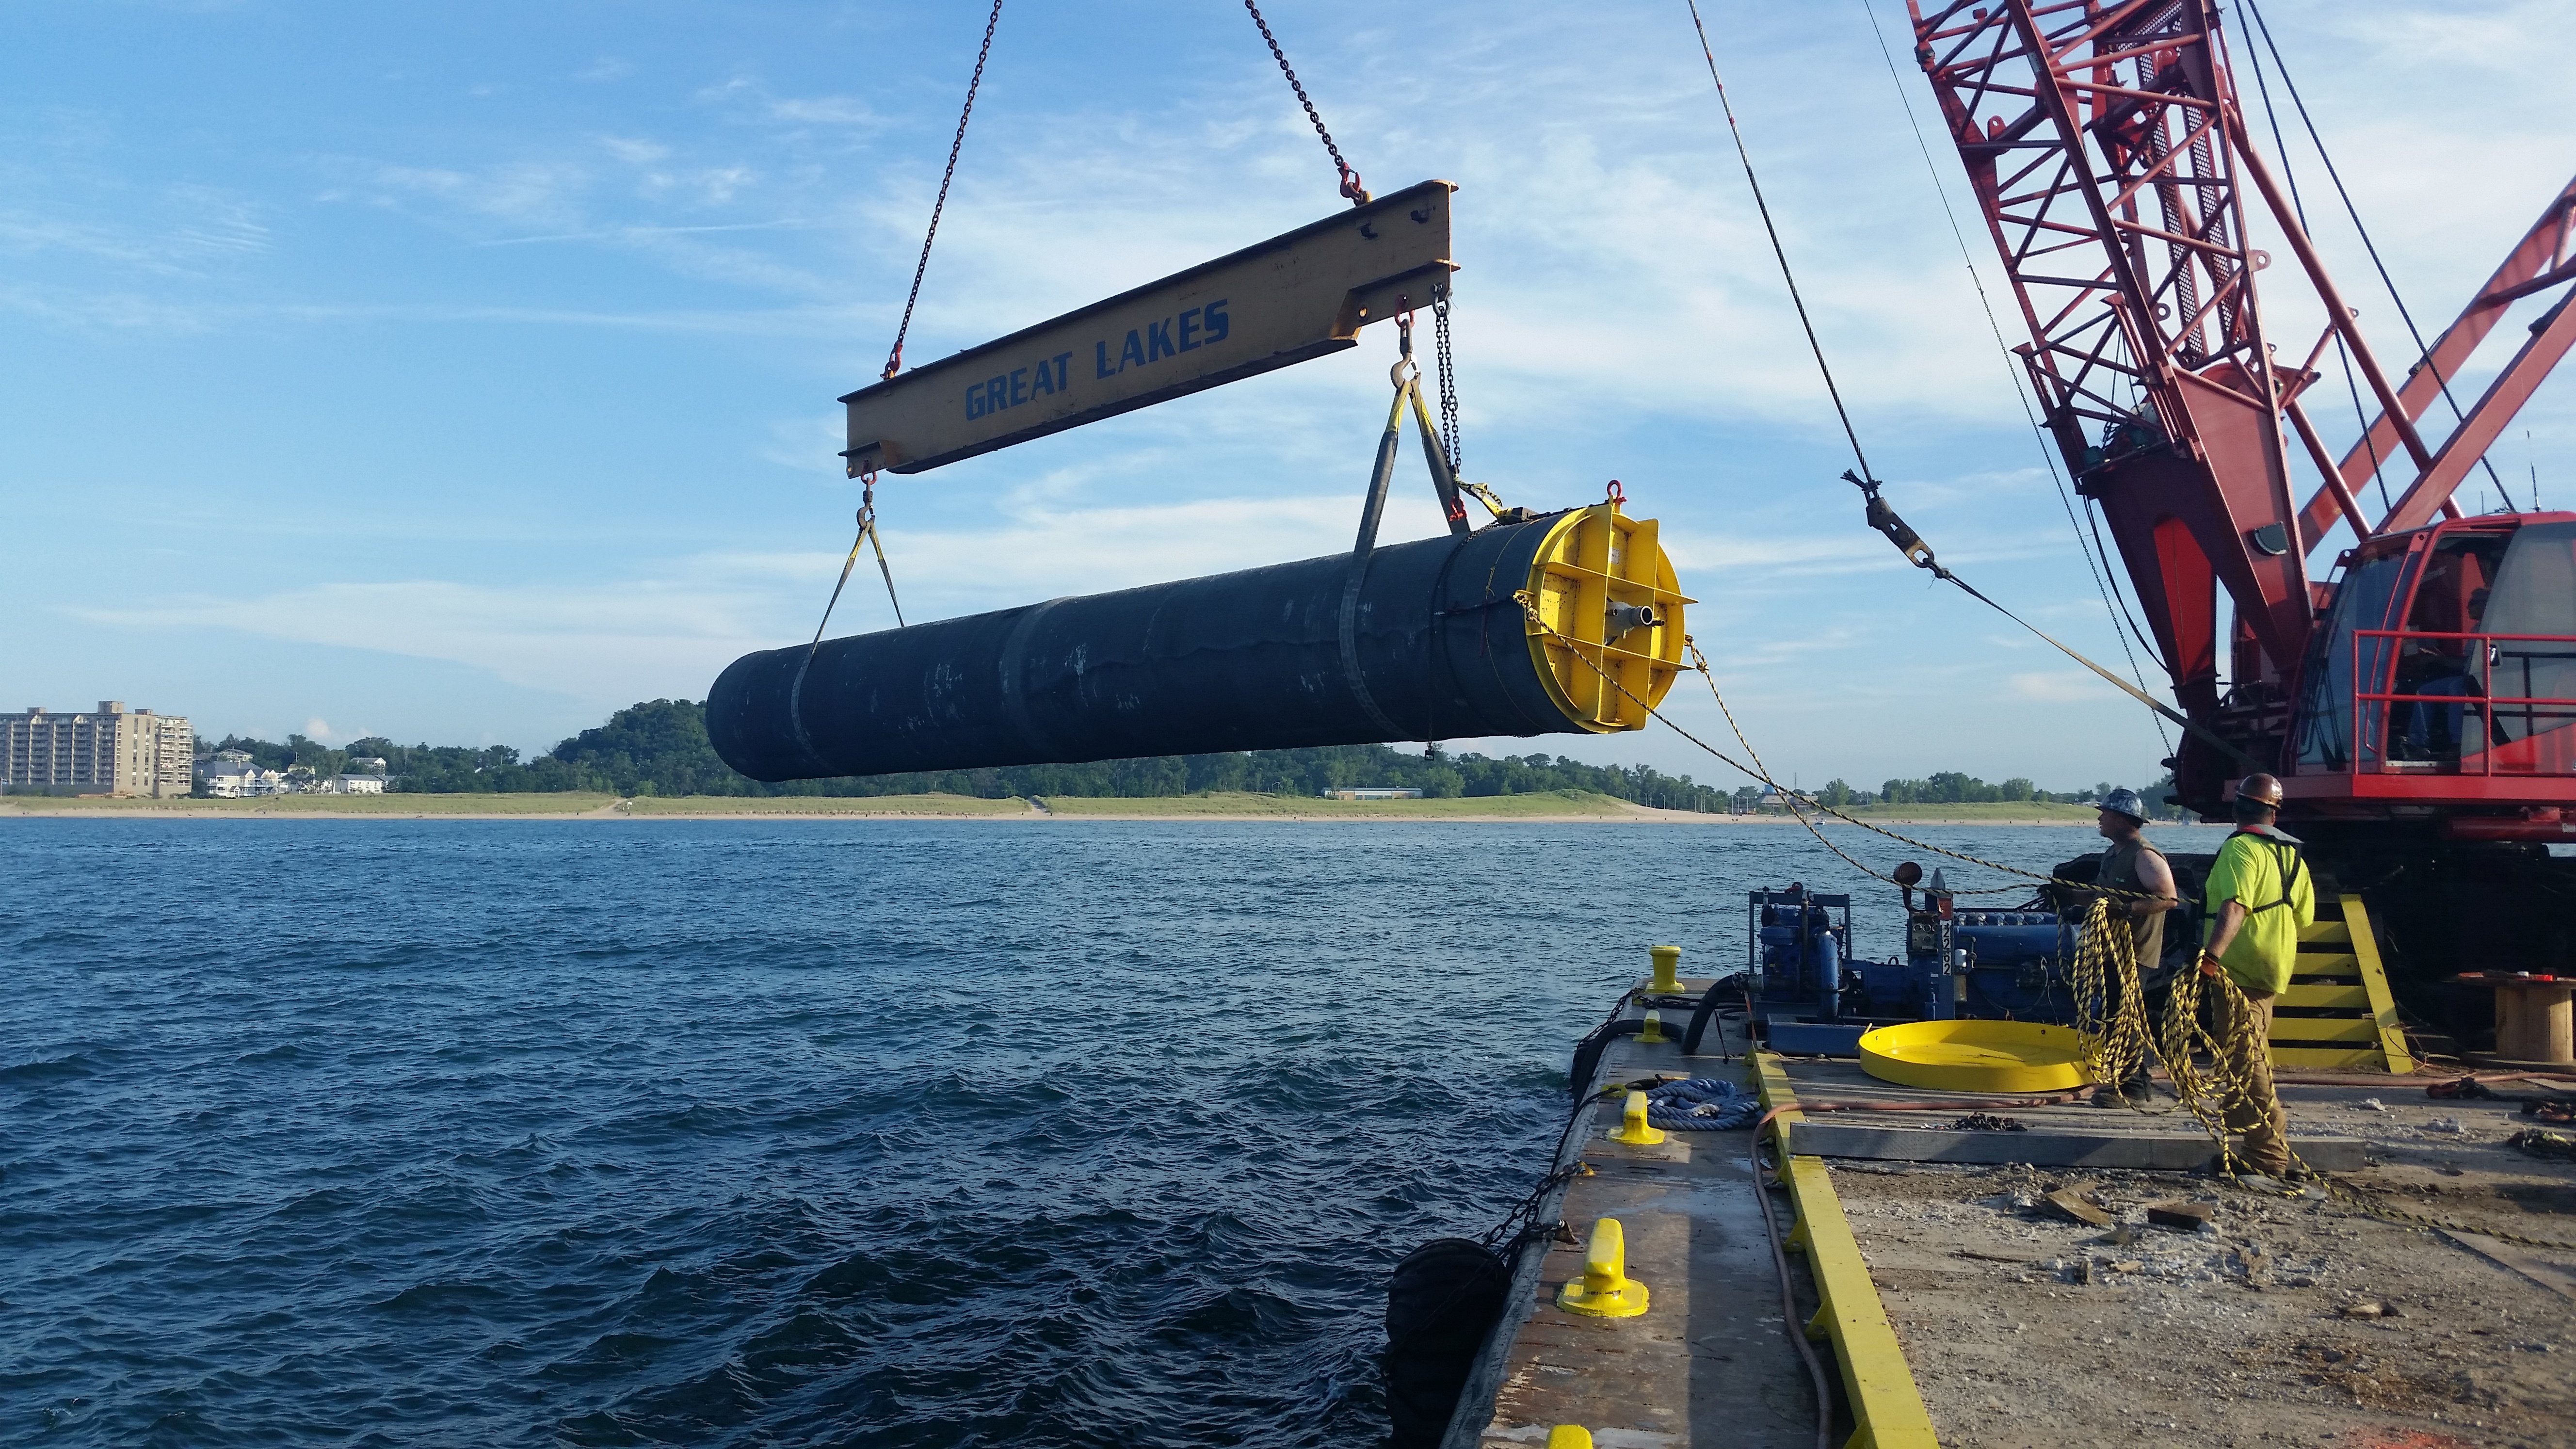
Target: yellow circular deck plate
{"type": "Point", "coordinates": [1974, 1056]}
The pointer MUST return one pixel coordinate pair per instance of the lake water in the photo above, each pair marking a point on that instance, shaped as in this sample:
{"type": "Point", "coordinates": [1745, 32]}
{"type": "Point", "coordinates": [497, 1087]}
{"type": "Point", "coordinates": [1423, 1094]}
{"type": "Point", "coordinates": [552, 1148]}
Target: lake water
{"type": "Point", "coordinates": [856, 1132]}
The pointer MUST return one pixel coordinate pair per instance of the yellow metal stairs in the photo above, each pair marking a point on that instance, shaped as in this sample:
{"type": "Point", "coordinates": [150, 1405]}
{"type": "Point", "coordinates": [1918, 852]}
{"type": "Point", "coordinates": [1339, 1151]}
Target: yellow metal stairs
{"type": "Point", "coordinates": [2339, 970]}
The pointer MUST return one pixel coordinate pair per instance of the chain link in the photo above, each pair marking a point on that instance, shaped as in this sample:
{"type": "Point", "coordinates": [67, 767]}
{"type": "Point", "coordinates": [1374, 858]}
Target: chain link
{"type": "Point", "coordinates": [894, 359]}
{"type": "Point", "coordinates": [1351, 187]}
{"type": "Point", "coordinates": [1449, 444]}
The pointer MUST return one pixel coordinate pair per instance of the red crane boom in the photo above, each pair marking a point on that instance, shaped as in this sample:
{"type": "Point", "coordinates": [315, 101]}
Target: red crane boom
{"type": "Point", "coordinates": [2112, 161]}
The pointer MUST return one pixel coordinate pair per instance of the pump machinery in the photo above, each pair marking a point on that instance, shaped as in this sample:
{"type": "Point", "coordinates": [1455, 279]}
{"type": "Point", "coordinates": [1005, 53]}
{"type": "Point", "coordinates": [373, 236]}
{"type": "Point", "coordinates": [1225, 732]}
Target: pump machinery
{"type": "Point", "coordinates": [1807, 989]}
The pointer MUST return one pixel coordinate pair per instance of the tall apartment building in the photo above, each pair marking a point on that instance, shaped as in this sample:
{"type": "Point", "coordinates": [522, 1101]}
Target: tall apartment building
{"type": "Point", "coordinates": [115, 751]}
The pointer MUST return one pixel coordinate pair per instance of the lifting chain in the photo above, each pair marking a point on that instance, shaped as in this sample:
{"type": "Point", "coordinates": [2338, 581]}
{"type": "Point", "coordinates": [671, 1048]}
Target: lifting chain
{"type": "Point", "coordinates": [894, 360]}
{"type": "Point", "coordinates": [1351, 187]}
{"type": "Point", "coordinates": [867, 517]}
{"type": "Point", "coordinates": [1449, 444]}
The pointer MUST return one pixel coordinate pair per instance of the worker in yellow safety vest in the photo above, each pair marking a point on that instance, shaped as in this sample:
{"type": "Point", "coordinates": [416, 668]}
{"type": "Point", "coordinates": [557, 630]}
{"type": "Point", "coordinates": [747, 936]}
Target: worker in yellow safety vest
{"type": "Point", "coordinates": [2259, 896]}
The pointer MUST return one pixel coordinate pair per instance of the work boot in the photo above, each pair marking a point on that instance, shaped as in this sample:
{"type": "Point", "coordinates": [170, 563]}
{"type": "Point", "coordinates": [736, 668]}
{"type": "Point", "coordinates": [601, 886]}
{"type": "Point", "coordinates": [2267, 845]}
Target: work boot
{"type": "Point", "coordinates": [2135, 1092]}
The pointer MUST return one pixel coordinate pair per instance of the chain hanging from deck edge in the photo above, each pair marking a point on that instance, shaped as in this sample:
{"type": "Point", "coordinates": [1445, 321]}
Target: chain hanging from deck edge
{"type": "Point", "coordinates": [1351, 187]}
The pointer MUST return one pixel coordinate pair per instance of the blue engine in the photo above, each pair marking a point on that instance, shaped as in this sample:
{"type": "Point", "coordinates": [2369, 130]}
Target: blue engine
{"type": "Point", "coordinates": [1800, 942]}
{"type": "Point", "coordinates": [1981, 963]}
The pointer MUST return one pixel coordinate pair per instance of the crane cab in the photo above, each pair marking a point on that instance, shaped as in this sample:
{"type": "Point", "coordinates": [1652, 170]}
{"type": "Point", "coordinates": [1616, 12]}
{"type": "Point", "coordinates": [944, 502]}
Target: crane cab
{"type": "Point", "coordinates": [2442, 683]}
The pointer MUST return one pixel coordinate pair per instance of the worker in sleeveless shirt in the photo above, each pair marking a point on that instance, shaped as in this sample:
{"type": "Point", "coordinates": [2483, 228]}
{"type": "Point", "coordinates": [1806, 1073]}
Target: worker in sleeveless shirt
{"type": "Point", "coordinates": [2134, 866]}
{"type": "Point", "coordinates": [2140, 887]}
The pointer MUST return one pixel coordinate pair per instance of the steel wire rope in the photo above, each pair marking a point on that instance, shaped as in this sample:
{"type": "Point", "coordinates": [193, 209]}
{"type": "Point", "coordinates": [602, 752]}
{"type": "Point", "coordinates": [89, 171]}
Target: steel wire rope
{"type": "Point", "coordinates": [1351, 187]}
{"type": "Point", "coordinates": [2299, 208]}
{"type": "Point", "coordinates": [1764, 207]}
{"type": "Point", "coordinates": [2100, 569]}
{"type": "Point", "coordinates": [1574, 646]}
{"type": "Point", "coordinates": [2422, 350]}
{"type": "Point", "coordinates": [1867, 480]}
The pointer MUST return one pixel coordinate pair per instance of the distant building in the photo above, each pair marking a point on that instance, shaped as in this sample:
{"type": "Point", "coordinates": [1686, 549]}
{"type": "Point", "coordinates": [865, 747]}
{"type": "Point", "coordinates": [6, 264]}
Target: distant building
{"type": "Point", "coordinates": [364, 775]}
{"type": "Point", "coordinates": [114, 751]}
{"type": "Point", "coordinates": [1375, 792]}
{"type": "Point", "coordinates": [230, 775]}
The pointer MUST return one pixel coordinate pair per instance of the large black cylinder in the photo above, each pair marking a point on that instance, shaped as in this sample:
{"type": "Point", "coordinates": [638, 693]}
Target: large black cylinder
{"type": "Point", "coordinates": [1414, 641]}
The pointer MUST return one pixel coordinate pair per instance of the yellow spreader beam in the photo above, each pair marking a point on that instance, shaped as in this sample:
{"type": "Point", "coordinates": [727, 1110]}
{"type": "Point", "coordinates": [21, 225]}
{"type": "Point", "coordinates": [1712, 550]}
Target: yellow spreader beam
{"type": "Point", "coordinates": [1298, 295]}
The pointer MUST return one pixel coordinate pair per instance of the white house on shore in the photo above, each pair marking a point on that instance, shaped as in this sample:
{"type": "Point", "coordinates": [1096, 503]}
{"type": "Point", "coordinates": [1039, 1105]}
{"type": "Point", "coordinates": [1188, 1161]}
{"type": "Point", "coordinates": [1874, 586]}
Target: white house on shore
{"type": "Point", "coordinates": [230, 775]}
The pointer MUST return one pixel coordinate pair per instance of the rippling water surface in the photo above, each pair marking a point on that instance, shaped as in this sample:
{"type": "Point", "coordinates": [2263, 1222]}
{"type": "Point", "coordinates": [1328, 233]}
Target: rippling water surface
{"type": "Point", "coordinates": [861, 1132]}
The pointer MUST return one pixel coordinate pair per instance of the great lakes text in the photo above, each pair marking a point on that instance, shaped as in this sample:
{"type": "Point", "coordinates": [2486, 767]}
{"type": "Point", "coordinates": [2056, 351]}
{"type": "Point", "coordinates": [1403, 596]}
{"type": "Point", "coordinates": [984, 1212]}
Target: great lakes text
{"type": "Point", "coordinates": [1186, 331]}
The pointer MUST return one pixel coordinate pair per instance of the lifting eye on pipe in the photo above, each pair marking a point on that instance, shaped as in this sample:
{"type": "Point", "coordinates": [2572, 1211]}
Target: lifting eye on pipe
{"type": "Point", "coordinates": [1624, 619]}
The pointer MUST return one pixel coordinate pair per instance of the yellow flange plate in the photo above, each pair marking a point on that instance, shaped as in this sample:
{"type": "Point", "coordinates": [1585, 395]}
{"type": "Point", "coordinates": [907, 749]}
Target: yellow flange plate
{"type": "Point", "coordinates": [1975, 1056]}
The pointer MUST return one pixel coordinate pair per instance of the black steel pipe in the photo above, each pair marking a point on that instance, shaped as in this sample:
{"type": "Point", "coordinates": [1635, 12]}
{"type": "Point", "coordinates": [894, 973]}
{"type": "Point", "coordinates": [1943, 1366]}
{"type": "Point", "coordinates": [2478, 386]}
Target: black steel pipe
{"type": "Point", "coordinates": [1413, 641]}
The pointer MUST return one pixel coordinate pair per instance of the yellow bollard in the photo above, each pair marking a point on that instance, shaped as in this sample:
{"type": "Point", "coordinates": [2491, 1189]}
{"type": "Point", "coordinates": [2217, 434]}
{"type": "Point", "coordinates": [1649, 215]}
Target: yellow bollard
{"type": "Point", "coordinates": [1569, 1436]}
{"type": "Point", "coordinates": [1632, 1126]}
{"type": "Point", "coordinates": [1668, 966]}
{"type": "Point", "coordinates": [1605, 1290]}
{"type": "Point", "coordinates": [1652, 1034]}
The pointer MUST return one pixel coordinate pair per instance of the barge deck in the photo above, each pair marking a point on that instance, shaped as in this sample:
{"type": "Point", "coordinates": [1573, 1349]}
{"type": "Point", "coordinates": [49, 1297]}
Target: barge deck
{"type": "Point", "coordinates": [1952, 1301]}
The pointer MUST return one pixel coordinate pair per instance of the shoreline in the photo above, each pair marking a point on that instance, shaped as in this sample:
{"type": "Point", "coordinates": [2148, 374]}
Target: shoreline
{"type": "Point", "coordinates": [1552, 808]}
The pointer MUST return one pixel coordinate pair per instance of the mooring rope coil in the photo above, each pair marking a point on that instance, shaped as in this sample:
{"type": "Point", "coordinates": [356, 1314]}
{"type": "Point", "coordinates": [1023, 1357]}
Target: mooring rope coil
{"type": "Point", "coordinates": [1701, 1104]}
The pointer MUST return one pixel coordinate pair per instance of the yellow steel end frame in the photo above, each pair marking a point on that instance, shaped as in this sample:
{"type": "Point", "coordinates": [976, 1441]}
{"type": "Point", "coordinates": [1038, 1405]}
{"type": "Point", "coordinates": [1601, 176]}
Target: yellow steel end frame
{"type": "Point", "coordinates": [1887, 1410]}
{"type": "Point", "coordinates": [2339, 969]}
{"type": "Point", "coordinates": [1592, 578]}
{"type": "Point", "coordinates": [2374, 979]}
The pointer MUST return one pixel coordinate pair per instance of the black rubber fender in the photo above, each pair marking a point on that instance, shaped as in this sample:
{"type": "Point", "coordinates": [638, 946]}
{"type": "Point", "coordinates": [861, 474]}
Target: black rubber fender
{"type": "Point", "coordinates": [1442, 1303]}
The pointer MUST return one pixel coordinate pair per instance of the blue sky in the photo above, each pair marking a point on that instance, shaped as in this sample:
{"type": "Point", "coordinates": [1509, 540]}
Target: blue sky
{"type": "Point", "coordinates": [463, 372]}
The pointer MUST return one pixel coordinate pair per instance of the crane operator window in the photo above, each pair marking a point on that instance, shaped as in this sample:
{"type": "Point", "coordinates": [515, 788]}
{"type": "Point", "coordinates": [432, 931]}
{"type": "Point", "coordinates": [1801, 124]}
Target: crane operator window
{"type": "Point", "coordinates": [2433, 662]}
{"type": "Point", "coordinates": [2534, 594]}
{"type": "Point", "coordinates": [2366, 599]}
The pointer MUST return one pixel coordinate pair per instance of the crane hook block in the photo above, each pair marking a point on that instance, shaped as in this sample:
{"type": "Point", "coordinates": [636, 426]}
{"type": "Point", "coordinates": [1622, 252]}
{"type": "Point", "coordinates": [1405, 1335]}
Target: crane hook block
{"type": "Point", "coordinates": [1412, 641]}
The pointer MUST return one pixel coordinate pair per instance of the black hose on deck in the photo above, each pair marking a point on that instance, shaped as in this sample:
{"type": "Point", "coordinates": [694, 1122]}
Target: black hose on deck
{"type": "Point", "coordinates": [1707, 1008]}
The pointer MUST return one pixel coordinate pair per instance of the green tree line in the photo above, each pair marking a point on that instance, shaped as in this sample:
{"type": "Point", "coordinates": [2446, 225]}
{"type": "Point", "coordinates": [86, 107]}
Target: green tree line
{"type": "Point", "coordinates": [659, 747]}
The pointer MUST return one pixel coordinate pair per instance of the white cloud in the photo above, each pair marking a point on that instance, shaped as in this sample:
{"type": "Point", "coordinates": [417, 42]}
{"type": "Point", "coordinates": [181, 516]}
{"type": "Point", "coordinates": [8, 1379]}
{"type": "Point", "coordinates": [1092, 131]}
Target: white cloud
{"type": "Point", "coordinates": [668, 629]}
{"type": "Point", "coordinates": [2062, 686]}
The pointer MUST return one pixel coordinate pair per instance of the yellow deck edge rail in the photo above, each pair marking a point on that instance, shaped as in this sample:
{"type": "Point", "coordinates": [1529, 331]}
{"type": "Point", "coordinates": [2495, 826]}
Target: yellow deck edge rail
{"type": "Point", "coordinates": [1887, 1410]}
